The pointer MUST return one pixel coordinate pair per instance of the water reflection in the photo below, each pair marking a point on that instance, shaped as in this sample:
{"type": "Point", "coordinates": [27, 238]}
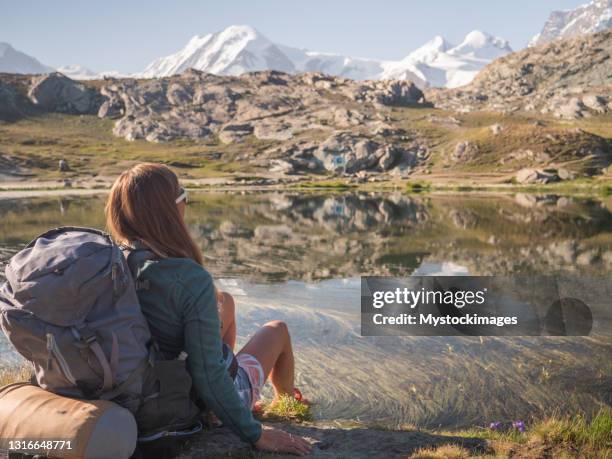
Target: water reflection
{"type": "Point", "coordinates": [282, 236]}
{"type": "Point", "coordinates": [268, 249]}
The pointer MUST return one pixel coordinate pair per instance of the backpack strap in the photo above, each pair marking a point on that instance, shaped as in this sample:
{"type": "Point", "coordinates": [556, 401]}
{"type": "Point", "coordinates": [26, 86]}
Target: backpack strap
{"type": "Point", "coordinates": [136, 255]}
{"type": "Point", "coordinates": [87, 337]}
{"type": "Point", "coordinates": [124, 386]}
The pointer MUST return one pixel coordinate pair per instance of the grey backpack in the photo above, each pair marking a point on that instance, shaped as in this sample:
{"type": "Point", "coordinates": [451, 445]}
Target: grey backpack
{"type": "Point", "coordinates": [69, 306]}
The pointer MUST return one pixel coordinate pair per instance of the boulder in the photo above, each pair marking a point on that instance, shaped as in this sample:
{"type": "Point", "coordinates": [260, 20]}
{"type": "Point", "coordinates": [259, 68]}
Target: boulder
{"type": "Point", "coordinates": [572, 109]}
{"type": "Point", "coordinates": [565, 174]}
{"type": "Point", "coordinates": [390, 92]}
{"type": "Point", "coordinates": [272, 131]}
{"type": "Point", "coordinates": [57, 93]}
{"type": "Point", "coordinates": [345, 152]}
{"type": "Point", "coordinates": [464, 151]}
{"type": "Point", "coordinates": [596, 103]}
{"type": "Point", "coordinates": [534, 176]}
{"type": "Point", "coordinates": [350, 153]}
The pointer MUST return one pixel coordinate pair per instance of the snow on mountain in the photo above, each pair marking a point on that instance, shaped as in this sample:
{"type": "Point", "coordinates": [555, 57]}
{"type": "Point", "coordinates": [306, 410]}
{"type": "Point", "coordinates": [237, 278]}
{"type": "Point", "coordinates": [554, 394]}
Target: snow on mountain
{"type": "Point", "coordinates": [234, 50]}
{"type": "Point", "coordinates": [479, 45]}
{"type": "Point", "coordinates": [13, 61]}
{"type": "Point", "coordinates": [79, 72]}
{"type": "Point", "coordinates": [239, 49]}
{"type": "Point", "coordinates": [588, 18]}
{"type": "Point", "coordinates": [333, 64]}
{"type": "Point", "coordinates": [431, 50]}
{"type": "Point", "coordinates": [439, 63]}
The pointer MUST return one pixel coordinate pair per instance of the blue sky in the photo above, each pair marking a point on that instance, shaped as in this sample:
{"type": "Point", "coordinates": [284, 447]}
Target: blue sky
{"type": "Point", "coordinates": [126, 35]}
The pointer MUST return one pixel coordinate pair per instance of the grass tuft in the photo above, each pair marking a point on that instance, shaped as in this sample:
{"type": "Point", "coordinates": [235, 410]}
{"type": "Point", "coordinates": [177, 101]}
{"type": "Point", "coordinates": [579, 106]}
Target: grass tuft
{"type": "Point", "coordinates": [416, 186]}
{"type": "Point", "coordinates": [442, 452]}
{"type": "Point", "coordinates": [575, 433]}
{"type": "Point", "coordinates": [287, 408]}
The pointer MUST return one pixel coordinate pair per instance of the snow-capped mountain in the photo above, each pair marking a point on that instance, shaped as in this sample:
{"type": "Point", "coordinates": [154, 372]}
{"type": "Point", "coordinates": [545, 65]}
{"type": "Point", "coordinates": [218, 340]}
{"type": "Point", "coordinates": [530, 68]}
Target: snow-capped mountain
{"type": "Point", "coordinates": [439, 63]}
{"type": "Point", "coordinates": [588, 18]}
{"type": "Point", "coordinates": [239, 49]}
{"type": "Point", "coordinates": [233, 51]}
{"type": "Point", "coordinates": [14, 61]}
{"type": "Point", "coordinates": [79, 72]}
{"type": "Point", "coordinates": [334, 64]}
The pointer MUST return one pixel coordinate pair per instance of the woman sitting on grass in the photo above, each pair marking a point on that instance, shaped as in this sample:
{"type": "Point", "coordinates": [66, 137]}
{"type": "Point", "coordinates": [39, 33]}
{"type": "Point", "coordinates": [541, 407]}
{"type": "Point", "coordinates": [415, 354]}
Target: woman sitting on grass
{"type": "Point", "coordinates": [146, 209]}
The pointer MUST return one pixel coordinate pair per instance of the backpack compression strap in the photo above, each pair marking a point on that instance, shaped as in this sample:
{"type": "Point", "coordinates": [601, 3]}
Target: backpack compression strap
{"type": "Point", "coordinates": [89, 339]}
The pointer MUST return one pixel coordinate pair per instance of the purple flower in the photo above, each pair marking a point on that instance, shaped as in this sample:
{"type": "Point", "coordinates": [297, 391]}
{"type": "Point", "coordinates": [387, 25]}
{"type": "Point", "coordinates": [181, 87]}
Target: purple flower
{"type": "Point", "coordinates": [495, 425]}
{"type": "Point", "coordinates": [519, 425]}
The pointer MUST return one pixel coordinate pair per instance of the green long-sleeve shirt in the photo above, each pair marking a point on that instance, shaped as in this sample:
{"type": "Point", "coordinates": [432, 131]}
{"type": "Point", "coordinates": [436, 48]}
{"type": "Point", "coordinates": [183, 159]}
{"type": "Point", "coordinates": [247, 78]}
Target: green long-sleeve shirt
{"type": "Point", "coordinates": [180, 305]}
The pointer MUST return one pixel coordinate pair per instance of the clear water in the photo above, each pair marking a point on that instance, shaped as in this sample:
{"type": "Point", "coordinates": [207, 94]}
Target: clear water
{"type": "Point", "coordinates": [298, 257]}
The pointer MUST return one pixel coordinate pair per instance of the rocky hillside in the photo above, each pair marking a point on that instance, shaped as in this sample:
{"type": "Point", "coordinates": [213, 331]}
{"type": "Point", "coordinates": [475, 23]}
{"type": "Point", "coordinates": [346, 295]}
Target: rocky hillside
{"type": "Point", "coordinates": [311, 124]}
{"type": "Point", "coordinates": [567, 79]}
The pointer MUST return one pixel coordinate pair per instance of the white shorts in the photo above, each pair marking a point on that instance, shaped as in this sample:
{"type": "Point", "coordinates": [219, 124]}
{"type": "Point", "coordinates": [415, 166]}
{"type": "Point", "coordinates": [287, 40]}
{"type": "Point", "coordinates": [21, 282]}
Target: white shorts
{"type": "Point", "coordinates": [250, 379]}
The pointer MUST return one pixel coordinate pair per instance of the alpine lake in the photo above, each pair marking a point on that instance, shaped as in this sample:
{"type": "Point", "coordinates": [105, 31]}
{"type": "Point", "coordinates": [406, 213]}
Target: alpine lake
{"type": "Point", "coordinates": [298, 257]}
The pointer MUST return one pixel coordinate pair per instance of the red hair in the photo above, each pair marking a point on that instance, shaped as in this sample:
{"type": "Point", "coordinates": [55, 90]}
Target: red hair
{"type": "Point", "coordinates": [141, 207]}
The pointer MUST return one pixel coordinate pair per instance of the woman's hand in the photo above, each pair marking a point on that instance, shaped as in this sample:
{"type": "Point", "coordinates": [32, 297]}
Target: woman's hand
{"type": "Point", "coordinates": [279, 441]}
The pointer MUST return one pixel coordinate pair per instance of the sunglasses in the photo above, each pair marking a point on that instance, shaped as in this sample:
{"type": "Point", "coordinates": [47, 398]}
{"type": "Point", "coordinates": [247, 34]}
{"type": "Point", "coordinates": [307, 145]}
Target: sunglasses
{"type": "Point", "coordinates": [183, 196]}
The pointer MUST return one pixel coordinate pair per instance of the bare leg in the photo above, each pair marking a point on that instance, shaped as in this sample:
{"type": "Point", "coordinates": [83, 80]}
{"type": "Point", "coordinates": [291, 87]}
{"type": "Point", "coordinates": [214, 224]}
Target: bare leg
{"type": "Point", "coordinates": [271, 345]}
{"type": "Point", "coordinates": [227, 314]}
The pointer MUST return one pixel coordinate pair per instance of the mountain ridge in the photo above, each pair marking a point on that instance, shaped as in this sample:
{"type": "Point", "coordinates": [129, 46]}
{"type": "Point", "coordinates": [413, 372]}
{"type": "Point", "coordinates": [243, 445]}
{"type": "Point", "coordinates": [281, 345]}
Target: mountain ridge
{"type": "Point", "coordinates": [15, 61]}
{"type": "Point", "coordinates": [241, 48]}
{"type": "Point", "coordinates": [587, 18]}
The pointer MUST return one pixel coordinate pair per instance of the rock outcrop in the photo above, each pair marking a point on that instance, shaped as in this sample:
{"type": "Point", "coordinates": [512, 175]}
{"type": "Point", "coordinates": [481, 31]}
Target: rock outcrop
{"type": "Point", "coordinates": [56, 93]}
{"type": "Point", "coordinates": [270, 105]}
{"type": "Point", "coordinates": [534, 176]}
{"type": "Point", "coordinates": [275, 107]}
{"type": "Point", "coordinates": [12, 104]}
{"type": "Point", "coordinates": [568, 79]}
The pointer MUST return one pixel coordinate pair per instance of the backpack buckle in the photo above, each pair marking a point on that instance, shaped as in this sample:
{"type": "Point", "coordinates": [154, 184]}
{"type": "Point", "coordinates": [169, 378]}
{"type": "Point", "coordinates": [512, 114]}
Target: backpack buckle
{"type": "Point", "coordinates": [85, 335]}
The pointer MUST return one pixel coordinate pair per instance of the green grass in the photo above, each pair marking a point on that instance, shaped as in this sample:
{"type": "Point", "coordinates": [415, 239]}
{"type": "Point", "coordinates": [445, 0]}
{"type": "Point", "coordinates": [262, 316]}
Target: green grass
{"type": "Point", "coordinates": [417, 186]}
{"type": "Point", "coordinates": [287, 408]}
{"type": "Point", "coordinates": [91, 149]}
{"type": "Point", "coordinates": [557, 436]}
{"type": "Point", "coordinates": [557, 138]}
{"type": "Point", "coordinates": [330, 184]}
{"type": "Point", "coordinates": [93, 152]}
{"type": "Point", "coordinates": [576, 432]}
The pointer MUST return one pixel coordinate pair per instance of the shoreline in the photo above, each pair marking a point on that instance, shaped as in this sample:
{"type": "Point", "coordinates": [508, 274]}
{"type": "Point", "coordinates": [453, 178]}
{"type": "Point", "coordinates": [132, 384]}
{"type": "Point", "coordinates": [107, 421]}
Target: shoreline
{"type": "Point", "coordinates": [589, 187]}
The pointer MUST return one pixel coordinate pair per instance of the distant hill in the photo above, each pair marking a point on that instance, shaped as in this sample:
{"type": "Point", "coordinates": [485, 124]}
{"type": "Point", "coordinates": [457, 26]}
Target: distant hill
{"type": "Point", "coordinates": [14, 61]}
